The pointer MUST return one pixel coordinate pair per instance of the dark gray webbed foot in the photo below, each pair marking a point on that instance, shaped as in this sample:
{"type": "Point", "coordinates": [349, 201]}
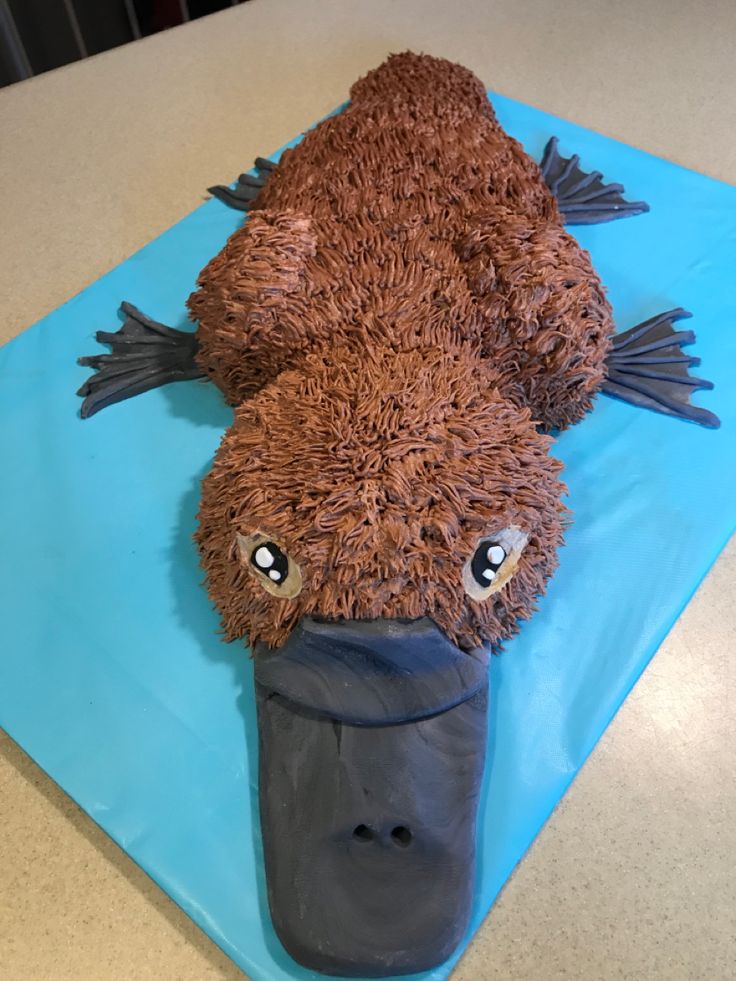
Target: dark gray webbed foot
{"type": "Point", "coordinates": [582, 197]}
{"type": "Point", "coordinates": [648, 368]}
{"type": "Point", "coordinates": [145, 354]}
{"type": "Point", "coordinates": [247, 187]}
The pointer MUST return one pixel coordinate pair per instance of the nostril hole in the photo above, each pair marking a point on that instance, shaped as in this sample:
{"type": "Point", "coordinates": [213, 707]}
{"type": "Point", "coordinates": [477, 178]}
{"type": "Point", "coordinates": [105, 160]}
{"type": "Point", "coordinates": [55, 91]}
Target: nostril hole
{"type": "Point", "coordinates": [401, 836]}
{"type": "Point", "coordinates": [362, 833]}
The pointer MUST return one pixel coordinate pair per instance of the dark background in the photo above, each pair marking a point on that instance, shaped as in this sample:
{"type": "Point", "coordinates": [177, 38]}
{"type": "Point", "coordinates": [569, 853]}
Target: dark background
{"type": "Point", "coordinates": [36, 35]}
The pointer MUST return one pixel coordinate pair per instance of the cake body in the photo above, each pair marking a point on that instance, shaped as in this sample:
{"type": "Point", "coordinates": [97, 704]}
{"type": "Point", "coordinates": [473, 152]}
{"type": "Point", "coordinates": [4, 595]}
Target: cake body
{"type": "Point", "coordinates": [414, 178]}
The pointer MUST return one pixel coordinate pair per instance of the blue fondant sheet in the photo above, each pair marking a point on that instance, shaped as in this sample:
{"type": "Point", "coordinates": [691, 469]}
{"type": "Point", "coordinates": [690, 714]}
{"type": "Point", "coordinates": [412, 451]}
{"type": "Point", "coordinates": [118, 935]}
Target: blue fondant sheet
{"type": "Point", "coordinates": [112, 673]}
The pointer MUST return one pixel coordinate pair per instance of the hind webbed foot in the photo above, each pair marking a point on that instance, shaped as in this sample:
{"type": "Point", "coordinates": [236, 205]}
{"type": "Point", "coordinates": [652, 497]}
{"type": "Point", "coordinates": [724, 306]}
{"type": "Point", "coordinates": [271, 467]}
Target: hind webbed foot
{"type": "Point", "coordinates": [247, 187]}
{"type": "Point", "coordinates": [582, 197]}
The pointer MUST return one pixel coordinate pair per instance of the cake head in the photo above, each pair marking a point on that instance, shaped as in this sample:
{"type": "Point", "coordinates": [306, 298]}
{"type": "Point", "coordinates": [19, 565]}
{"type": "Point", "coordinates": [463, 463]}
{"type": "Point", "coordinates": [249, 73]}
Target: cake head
{"type": "Point", "coordinates": [381, 484]}
{"type": "Point", "coordinates": [372, 519]}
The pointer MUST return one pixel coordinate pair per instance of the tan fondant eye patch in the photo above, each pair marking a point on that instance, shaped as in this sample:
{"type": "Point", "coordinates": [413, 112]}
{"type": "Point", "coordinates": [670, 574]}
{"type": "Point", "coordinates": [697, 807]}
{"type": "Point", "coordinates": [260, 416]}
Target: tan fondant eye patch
{"type": "Point", "coordinates": [270, 565]}
{"type": "Point", "coordinates": [493, 562]}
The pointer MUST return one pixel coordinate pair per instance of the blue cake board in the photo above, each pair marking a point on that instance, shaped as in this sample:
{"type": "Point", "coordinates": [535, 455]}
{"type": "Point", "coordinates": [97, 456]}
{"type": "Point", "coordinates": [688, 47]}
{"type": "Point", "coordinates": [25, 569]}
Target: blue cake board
{"type": "Point", "coordinates": [112, 674]}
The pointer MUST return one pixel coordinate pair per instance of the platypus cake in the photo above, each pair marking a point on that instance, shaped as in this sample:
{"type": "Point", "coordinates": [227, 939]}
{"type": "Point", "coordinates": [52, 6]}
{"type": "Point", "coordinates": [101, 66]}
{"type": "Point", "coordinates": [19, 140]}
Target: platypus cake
{"type": "Point", "coordinates": [400, 324]}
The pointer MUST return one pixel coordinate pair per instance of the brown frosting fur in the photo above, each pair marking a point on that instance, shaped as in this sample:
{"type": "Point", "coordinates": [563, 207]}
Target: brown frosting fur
{"type": "Point", "coordinates": [396, 321]}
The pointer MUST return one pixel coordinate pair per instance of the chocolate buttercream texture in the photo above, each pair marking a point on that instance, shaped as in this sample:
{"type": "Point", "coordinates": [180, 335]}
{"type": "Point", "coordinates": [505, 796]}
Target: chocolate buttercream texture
{"type": "Point", "coordinates": [397, 322]}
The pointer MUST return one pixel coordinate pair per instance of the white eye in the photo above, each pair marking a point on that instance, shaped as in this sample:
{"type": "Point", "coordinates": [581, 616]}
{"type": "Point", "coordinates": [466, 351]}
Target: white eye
{"type": "Point", "coordinates": [487, 560]}
{"type": "Point", "coordinates": [271, 561]}
{"type": "Point", "coordinates": [275, 571]}
{"type": "Point", "coordinates": [493, 562]}
{"type": "Point", "coordinates": [495, 554]}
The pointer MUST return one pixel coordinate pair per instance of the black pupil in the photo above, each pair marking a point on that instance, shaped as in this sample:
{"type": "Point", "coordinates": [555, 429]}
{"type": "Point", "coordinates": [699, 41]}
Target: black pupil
{"type": "Point", "coordinates": [270, 562]}
{"type": "Point", "coordinates": [488, 559]}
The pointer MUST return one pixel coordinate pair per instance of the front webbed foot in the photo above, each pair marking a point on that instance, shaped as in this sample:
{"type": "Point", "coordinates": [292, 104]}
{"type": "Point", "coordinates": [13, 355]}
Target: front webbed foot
{"type": "Point", "coordinates": [582, 197]}
{"type": "Point", "coordinates": [247, 187]}
{"type": "Point", "coordinates": [648, 368]}
{"type": "Point", "coordinates": [145, 354]}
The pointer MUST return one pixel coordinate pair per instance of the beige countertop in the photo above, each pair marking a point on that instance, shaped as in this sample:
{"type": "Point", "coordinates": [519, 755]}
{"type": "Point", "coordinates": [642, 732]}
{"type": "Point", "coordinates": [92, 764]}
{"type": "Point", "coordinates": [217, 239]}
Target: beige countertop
{"type": "Point", "coordinates": [633, 876]}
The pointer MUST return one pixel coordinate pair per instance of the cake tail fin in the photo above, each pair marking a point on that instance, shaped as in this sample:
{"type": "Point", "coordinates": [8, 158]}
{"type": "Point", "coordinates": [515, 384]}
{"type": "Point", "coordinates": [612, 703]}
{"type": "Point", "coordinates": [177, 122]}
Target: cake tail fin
{"type": "Point", "coordinates": [247, 187]}
{"type": "Point", "coordinates": [145, 354]}
{"type": "Point", "coordinates": [582, 197]}
{"type": "Point", "coordinates": [648, 368]}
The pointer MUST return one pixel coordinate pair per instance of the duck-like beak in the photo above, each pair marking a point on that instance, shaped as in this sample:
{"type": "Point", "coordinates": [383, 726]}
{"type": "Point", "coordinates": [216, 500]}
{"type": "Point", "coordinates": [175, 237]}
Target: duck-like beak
{"type": "Point", "coordinates": [372, 744]}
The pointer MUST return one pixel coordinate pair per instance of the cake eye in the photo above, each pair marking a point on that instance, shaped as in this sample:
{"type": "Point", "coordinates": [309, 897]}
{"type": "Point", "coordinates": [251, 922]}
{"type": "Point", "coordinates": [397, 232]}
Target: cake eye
{"type": "Point", "coordinates": [271, 561]}
{"type": "Point", "coordinates": [270, 565]}
{"type": "Point", "coordinates": [486, 562]}
{"type": "Point", "coordinates": [493, 562]}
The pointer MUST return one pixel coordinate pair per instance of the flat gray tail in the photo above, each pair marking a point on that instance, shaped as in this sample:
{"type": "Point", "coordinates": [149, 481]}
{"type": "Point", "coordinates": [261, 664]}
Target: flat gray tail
{"type": "Point", "coordinates": [648, 368]}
